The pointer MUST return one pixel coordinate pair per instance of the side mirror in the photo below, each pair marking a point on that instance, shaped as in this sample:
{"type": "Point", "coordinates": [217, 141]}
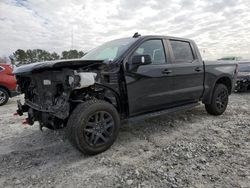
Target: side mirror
{"type": "Point", "coordinates": [141, 60]}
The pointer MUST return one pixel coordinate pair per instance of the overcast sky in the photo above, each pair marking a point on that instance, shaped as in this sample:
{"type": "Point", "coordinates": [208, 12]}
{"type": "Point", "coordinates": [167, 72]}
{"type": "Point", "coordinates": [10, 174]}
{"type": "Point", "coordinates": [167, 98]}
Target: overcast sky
{"type": "Point", "coordinates": [219, 27]}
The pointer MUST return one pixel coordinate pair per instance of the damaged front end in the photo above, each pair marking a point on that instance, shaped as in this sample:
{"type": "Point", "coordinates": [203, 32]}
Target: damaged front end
{"type": "Point", "coordinates": [47, 94]}
{"type": "Point", "coordinates": [52, 92]}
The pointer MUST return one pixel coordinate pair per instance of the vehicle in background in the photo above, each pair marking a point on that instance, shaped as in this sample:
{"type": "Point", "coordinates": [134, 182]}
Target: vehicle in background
{"type": "Point", "coordinates": [243, 78]}
{"type": "Point", "coordinates": [122, 80]}
{"type": "Point", "coordinates": [7, 83]}
{"type": "Point", "coordinates": [230, 58]}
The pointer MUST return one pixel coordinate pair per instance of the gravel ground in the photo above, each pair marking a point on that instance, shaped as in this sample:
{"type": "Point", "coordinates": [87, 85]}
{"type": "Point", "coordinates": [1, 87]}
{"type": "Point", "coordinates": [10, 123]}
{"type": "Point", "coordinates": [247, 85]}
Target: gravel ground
{"type": "Point", "coordinates": [186, 149]}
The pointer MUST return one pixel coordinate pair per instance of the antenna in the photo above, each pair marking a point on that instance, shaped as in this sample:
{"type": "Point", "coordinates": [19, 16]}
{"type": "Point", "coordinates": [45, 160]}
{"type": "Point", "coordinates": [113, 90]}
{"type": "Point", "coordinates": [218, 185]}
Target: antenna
{"type": "Point", "coordinates": [136, 35]}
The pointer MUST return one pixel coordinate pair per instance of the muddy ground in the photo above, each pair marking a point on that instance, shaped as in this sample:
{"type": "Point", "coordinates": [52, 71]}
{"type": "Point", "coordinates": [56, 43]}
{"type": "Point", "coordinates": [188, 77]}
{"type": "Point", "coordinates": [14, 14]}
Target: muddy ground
{"type": "Point", "coordinates": [187, 149]}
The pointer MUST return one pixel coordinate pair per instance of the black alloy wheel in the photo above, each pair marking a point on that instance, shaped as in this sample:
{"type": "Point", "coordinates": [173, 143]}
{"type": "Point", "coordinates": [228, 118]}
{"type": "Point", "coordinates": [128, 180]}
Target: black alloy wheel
{"type": "Point", "coordinates": [219, 100]}
{"type": "Point", "coordinates": [222, 100]}
{"type": "Point", "coordinates": [99, 128]}
{"type": "Point", "coordinates": [93, 126]}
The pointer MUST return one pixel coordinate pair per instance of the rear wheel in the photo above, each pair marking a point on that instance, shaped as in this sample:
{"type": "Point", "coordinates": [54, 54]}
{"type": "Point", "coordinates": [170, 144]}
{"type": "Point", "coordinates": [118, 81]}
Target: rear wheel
{"type": "Point", "coordinates": [219, 100]}
{"type": "Point", "coordinates": [93, 126]}
{"type": "Point", "coordinates": [4, 96]}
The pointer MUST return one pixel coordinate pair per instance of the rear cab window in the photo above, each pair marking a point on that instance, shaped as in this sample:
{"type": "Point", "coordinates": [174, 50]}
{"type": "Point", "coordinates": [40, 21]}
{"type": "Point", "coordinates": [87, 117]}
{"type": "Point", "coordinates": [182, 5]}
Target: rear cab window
{"type": "Point", "coordinates": [182, 51]}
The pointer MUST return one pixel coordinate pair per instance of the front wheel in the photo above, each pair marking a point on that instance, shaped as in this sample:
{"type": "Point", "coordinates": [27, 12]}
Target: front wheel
{"type": "Point", "coordinates": [93, 126]}
{"type": "Point", "coordinates": [4, 96]}
{"type": "Point", "coordinates": [219, 100]}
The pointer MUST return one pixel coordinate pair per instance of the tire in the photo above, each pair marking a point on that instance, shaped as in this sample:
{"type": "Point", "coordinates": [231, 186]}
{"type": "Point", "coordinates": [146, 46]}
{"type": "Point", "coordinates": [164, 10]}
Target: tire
{"type": "Point", "coordinates": [4, 96]}
{"type": "Point", "coordinates": [93, 126]}
{"type": "Point", "coordinates": [219, 100]}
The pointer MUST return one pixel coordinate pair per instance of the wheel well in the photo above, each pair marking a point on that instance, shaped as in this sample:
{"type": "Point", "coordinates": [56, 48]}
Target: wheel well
{"type": "Point", "coordinates": [110, 95]}
{"type": "Point", "coordinates": [227, 82]}
{"type": "Point", "coordinates": [5, 88]}
{"type": "Point", "coordinates": [114, 100]}
{"type": "Point", "coordinates": [101, 93]}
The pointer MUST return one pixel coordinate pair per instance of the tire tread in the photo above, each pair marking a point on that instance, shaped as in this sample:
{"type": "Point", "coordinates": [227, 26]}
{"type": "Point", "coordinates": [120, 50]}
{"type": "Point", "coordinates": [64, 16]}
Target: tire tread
{"type": "Point", "coordinates": [211, 108]}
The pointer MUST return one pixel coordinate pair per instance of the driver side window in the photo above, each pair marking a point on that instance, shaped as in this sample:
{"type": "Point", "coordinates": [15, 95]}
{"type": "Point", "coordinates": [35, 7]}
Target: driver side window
{"type": "Point", "coordinates": [153, 48]}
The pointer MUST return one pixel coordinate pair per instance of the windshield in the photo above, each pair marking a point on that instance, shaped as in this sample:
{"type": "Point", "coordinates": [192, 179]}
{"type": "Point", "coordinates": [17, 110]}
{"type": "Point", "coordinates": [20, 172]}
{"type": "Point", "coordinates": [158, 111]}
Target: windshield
{"type": "Point", "coordinates": [110, 50]}
{"type": "Point", "coordinates": [244, 68]}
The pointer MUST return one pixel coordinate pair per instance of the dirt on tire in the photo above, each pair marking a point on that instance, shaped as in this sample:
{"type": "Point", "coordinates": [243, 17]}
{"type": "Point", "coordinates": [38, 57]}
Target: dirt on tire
{"type": "Point", "coordinates": [186, 149]}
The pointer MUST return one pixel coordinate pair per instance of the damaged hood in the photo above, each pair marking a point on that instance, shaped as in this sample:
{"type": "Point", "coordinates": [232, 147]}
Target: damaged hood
{"type": "Point", "coordinates": [47, 65]}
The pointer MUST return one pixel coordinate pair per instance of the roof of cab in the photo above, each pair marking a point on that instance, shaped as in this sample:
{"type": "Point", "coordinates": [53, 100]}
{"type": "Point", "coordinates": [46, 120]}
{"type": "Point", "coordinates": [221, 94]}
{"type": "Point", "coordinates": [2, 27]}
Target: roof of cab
{"type": "Point", "coordinates": [162, 36]}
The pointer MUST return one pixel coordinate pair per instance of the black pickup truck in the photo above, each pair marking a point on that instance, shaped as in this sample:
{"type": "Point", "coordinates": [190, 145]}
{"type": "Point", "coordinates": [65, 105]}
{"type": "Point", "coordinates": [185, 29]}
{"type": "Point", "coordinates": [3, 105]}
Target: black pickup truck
{"type": "Point", "coordinates": [122, 80]}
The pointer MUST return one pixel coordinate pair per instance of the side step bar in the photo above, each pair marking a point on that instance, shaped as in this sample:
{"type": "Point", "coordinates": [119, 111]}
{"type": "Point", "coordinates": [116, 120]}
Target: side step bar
{"type": "Point", "coordinates": [162, 112]}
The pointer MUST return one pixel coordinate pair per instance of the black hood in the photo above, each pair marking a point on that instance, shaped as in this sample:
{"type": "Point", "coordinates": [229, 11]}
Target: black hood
{"type": "Point", "coordinates": [47, 65]}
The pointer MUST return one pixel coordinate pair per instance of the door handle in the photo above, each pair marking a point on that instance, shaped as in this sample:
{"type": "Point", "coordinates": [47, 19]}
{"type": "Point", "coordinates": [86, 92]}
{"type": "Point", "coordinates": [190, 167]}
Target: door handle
{"type": "Point", "coordinates": [198, 69]}
{"type": "Point", "coordinates": [166, 71]}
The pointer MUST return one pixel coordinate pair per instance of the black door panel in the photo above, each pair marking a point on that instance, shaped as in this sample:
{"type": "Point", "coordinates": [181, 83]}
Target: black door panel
{"type": "Point", "coordinates": [188, 83]}
{"type": "Point", "coordinates": [187, 72]}
{"type": "Point", "coordinates": [149, 86]}
{"type": "Point", "coordinates": [149, 89]}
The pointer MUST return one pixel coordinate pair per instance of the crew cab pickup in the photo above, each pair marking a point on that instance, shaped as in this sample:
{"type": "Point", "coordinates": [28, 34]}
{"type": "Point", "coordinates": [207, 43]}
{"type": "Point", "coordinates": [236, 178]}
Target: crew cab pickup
{"type": "Point", "coordinates": [122, 80]}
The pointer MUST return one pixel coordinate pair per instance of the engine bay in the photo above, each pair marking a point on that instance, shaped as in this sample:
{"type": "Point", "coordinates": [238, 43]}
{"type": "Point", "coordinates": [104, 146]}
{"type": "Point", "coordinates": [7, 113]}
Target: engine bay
{"type": "Point", "coordinates": [49, 92]}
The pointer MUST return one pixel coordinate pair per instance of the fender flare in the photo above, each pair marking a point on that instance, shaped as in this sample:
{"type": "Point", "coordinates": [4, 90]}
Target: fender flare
{"type": "Point", "coordinates": [208, 97]}
{"type": "Point", "coordinates": [117, 96]}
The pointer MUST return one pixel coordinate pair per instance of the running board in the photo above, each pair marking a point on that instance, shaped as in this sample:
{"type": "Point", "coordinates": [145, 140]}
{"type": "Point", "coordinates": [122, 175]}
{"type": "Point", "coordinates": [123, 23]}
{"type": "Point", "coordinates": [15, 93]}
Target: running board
{"type": "Point", "coordinates": [162, 112]}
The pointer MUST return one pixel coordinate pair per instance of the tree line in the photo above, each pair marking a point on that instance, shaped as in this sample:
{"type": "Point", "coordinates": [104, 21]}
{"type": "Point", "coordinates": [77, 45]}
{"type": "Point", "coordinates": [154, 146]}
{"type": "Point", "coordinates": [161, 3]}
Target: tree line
{"type": "Point", "coordinates": [21, 57]}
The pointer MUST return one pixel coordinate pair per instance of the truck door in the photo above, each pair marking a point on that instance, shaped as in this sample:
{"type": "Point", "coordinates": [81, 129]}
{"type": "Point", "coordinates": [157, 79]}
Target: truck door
{"type": "Point", "coordinates": [187, 71]}
{"type": "Point", "coordinates": [148, 86]}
